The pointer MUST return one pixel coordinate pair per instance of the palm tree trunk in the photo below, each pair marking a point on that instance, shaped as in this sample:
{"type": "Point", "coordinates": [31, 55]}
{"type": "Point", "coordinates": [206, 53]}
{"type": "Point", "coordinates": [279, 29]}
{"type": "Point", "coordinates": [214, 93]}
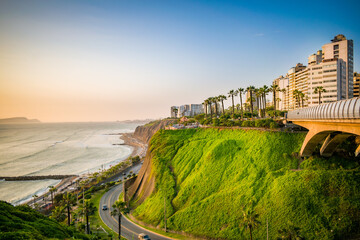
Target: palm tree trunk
{"type": "Point", "coordinates": [319, 97]}
{"type": "Point", "coordinates": [87, 224]}
{"type": "Point", "coordinates": [251, 104]}
{"type": "Point", "coordinates": [232, 97]}
{"type": "Point", "coordinates": [211, 111]}
{"type": "Point", "coordinates": [68, 210]}
{"type": "Point", "coordinates": [205, 110]}
{"type": "Point", "coordinates": [264, 104]}
{"type": "Point", "coordinates": [241, 106]}
{"type": "Point", "coordinates": [223, 110]}
{"type": "Point", "coordinates": [274, 93]}
{"type": "Point", "coordinates": [250, 233]}
{"type": "Point", "coordinates": [216, 110]}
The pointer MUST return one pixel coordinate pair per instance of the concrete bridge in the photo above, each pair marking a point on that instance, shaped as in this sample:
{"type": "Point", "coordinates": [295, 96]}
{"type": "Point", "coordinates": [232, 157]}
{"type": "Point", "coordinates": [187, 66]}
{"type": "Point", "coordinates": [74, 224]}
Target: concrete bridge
{"type": "Point", "coordinates": [330, 123]}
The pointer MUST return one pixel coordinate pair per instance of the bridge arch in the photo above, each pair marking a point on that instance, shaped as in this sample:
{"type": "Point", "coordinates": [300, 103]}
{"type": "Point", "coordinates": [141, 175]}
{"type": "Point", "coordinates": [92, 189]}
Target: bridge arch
{"type": "Point", "coordinates": [330, 123]}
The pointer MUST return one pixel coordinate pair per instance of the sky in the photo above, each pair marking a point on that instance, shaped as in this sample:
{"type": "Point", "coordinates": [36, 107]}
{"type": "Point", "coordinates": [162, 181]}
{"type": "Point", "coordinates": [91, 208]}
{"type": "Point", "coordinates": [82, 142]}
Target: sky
{"type": "Point", "coordinates": [76, 61]}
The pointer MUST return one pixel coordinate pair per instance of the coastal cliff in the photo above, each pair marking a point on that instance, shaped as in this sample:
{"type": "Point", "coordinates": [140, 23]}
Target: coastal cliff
{"type": "Point", "coordinates": [145, 132]}
{"type": "Point", "coordinates": [208, 177]}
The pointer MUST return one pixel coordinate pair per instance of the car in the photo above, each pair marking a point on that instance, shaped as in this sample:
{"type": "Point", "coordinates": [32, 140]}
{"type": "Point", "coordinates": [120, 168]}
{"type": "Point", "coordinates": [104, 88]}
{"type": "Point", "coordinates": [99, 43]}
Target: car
{"type": "Point", "coordinates": [104, 208]}
{"type": "Point", "coordinates": [143, 236]}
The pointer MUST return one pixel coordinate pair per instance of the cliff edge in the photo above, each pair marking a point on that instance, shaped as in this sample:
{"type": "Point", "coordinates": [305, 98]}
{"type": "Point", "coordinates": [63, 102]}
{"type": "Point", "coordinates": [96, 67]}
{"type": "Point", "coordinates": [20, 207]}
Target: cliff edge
{"type": "Point", "coordinates": [145, 132]}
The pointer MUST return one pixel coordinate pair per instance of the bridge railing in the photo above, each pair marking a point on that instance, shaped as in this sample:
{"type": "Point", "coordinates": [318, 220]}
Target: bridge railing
{"type": "Point", "coordinates": [343, 109]}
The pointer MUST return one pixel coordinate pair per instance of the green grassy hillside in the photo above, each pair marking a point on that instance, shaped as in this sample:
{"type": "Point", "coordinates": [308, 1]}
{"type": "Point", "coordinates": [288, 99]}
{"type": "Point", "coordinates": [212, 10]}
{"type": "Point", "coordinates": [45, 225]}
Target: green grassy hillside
{"type": "Point", "coordinates": [22, 222]}
{"type": "Point", "coordinates": [209, 176]}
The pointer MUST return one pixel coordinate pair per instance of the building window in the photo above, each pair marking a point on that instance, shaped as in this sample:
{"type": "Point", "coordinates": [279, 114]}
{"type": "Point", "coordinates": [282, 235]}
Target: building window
{"type": "Point", "coordinates": [336, 47]}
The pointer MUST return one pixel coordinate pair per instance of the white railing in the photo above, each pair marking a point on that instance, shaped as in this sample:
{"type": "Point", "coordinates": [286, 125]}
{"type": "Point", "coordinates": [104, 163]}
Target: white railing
{"type": "Point", "coordinates": [343, 109]}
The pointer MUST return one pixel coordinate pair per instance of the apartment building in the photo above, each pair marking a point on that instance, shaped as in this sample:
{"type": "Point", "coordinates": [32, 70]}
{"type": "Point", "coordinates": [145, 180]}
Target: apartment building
{"type": "Point", "coordinates": [327, 68]}
{"type": "Point", "coordinates": [356, 84]}
{"type": "Point", "coordinates": [282, 97]}
{"type": "Point", "coordinates": [341, 48]}
{"type": "Point", "coordinates": [188, 110]}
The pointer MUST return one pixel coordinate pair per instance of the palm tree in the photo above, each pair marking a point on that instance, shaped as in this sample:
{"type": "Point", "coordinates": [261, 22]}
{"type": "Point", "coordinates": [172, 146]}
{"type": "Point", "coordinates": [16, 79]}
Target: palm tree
{"type": "Point", "coordinates": [34, 196]}
{"type": "Point", "coordinates": [215, 100]}
{"type": "Point", "coordinates": [232, 93]}
{"type": "Point", "coordinates": [222, 98]}
{"type": "Point", "coordinates": [88, 208]}
{"type": "Point", "coordinates": [274, 88]}
{"type": "Point", "coordinates": [175, 110]}
{"type": "Point", "coordinates": [319, 90]}
{"type": "Point", "coordinates": [241, 91]}
{"type": "Point", "coordinates": [301, 98]}
{"type": "Point", "coordinates": [52, 190]}
{"type": "Point", "coordinates": [210, 103]}
{"type": "Point", "coordinates": [250, 89]}
{"type": "Point", "coordinates": [290, 233]}
{"type": "Point", "coordinates": [297, 95]}
{"type": "Point", "coordinates": [68, 200]}
{"type": "Point", "coordinates": [250, 220]}
{"type": "Point", "coordinates": [206, 103]}
{"type": "Point", "coordinates": [265, 91]}
{"type": "Point", "coordinates": [119, 207]}
{"type": "Point", "coordinates": [257, 92]}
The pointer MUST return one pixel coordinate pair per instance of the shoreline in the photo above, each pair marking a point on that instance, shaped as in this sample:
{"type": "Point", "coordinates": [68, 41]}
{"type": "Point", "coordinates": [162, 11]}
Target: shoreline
{"type": "Point", "coordinates": [138, 148]}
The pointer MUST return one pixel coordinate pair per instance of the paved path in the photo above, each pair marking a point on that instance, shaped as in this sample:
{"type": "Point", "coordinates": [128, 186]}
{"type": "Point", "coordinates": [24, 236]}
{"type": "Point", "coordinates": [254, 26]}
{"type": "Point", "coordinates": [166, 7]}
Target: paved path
{"type": "Point", "coordinates": [129, 230]}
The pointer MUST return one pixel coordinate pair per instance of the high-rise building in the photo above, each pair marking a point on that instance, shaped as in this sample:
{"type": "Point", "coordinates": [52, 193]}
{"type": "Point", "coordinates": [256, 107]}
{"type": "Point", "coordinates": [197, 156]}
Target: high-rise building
{"type": "Point", "coordinates": [329, 68]}
{"type": "Point", "coordinates": [282, 98]}
{"type": "Point", "coordinates": [341, 48]}
{"type": "Point", "coordinates": [356, 84]}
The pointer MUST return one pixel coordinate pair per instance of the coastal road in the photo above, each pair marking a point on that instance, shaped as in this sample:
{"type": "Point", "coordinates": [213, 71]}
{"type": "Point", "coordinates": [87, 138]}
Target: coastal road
{"type": "Point", "coordinates": [129, 230]}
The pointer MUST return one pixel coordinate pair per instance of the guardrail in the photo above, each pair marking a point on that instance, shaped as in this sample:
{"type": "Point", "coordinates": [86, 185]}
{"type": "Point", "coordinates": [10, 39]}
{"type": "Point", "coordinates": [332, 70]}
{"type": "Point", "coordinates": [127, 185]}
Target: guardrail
{"type": "Point", "coordinates": [343, 109]}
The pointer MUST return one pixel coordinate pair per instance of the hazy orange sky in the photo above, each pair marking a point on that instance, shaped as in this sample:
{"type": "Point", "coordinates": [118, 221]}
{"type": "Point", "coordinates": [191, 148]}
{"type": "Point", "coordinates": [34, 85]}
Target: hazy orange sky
{"type": "Point", "coordinates": [118, 60]}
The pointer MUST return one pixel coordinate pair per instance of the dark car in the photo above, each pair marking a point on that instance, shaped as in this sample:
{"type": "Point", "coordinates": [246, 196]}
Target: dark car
{"type": "Point", "coordinates": [104, 208]}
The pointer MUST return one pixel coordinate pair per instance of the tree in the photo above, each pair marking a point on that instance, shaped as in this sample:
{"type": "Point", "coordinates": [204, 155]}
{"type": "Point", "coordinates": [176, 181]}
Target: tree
{"type": "Point", "coordinates": [257, 92]}
{"type": "Point", "coordinates": [88, 209]}
{"type": "Point", "coordinates": [301, 97]}
{"type": "Point", "coordinates": [34, 196]}
{"type": "Point", "coordinates": [210, 101]}
{"type": "Point", "coordinates": [274, 88]}
{"type": "Point", "coordinates": [215, 100]}
{"type": "Point", "coordinates": [290, 233]}
{"type": "Point", "coordinates": [297, 96]}
{"type": "Point", "coordinates": [52, 190]}
{"type": "Point", "coordinates": [265, 91]}
{"type": "Point", "coordinates": [206, 103]}
{"type": "Point", "coordinates": [68, 201]}
{"type": "Point", "coordinates": [175, 111]}
{"type": "Point", "coordinates": [119, 207]}
{"type": "Point", "coordinates": [222, 98]}
{"type": "Point", "coordinates": [250, 90]}
{"type": "Point", "coordinates": [319, 90]}
{"type": "Point", "coordinates": [250, 220]}
{"type": "Point", "coordinates": [58, 213]}
{"type": "Point", "coordinates": [241, 91]}
{"type": "Point", "coordinates": [232, 93]}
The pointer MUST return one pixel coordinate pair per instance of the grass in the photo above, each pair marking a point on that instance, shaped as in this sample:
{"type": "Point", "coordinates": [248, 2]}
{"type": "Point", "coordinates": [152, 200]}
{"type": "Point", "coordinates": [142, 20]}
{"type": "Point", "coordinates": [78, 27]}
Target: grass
{"type": "Point", "coordinates": [208, 176]}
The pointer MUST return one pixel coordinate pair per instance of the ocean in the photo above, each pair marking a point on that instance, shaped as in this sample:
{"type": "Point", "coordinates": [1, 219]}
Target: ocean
{"type": "Point", "coordinates": [56, 148]}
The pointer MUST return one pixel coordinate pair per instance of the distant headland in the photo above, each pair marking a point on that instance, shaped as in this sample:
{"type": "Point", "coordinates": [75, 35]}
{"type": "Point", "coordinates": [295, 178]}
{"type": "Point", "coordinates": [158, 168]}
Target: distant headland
{"type": "Point", "coordinates": [15, 120]}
